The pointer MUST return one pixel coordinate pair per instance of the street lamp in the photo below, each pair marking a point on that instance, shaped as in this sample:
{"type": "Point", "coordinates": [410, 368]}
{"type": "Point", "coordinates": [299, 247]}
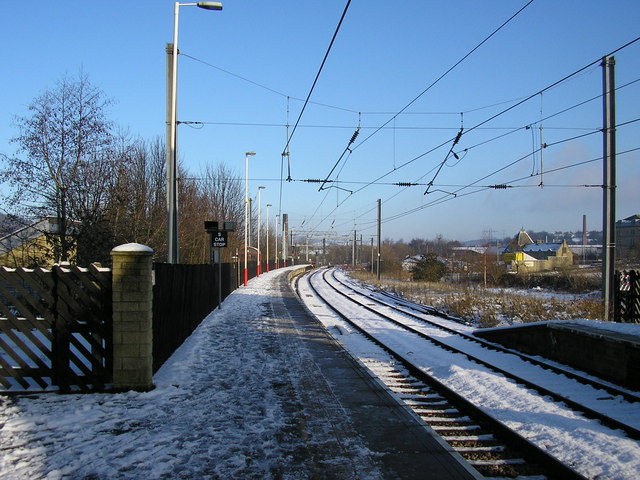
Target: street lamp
{"type": "Point", "coordinates": [268, 205]}
{"type": "Point", "coordinates": [246, 213]}
{"type": "Point", "coordinates": [172, 105]}
{"type": "Point", "coordinates": [259, 269]}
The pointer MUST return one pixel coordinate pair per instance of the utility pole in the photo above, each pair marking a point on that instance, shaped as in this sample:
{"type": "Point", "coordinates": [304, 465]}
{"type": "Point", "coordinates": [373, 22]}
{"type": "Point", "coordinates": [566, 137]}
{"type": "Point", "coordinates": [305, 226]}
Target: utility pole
{"type": "Point", "coordinates": [609, 187]}
{"type": "Point", "coordinates": [277, 233]}
{"type": "Point", "coordinates": [353, 252]}
{"type": "Point", "coordinates": [379, 234]}
{"type": "Point", "coordinates": [250, 213]}
{"type": "Point", "coordinates": [324, 251]}
{"type": "Point", "coordinates": [372, 255]}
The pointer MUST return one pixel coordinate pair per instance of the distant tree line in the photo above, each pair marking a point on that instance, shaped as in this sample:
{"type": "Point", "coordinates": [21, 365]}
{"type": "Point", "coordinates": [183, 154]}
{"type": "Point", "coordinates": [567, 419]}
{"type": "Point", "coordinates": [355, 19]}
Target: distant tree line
{"type": "Point", "coordinates": [103, 186]}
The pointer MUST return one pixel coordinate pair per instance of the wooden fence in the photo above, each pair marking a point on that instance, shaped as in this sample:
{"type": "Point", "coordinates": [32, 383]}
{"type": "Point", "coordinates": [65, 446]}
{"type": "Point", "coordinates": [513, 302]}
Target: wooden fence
{"type": "Point", "coordinates": [55, 328]}
{"type": "Point", "coordinates": [56, 325]}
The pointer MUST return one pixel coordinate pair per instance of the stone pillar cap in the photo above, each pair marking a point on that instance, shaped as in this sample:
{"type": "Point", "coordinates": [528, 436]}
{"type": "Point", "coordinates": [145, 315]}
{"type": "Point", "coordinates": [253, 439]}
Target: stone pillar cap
{"type": "Point", "coordinates": [133, 247]}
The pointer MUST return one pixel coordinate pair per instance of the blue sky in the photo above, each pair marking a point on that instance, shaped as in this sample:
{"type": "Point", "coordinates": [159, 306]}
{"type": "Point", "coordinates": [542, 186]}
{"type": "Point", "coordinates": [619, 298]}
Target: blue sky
{"type": "Point", "coordinates": [256, 60]}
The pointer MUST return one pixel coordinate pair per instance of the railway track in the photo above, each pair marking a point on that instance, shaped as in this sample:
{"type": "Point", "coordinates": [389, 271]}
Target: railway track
{"type": "Point", "coordinates": [489, 445]}
{"type": "Point", "coordinates": [612, 390]}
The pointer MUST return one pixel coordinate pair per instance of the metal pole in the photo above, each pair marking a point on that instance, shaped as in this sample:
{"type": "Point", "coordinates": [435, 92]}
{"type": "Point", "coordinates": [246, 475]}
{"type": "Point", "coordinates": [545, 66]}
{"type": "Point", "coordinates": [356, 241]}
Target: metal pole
{"type": "Point", "coordinates": [372, 255]}
{"type": "Point", "coordinates": [172, 194]}
{"type": "Point", "coordinates": [173, 250]}
{"type": "Point", "coordinates": [246, 214]}
{"type": "Point", "coordinates": [379, 235]}
{"type": "Point", "coordinates": [353, 250]}
{"type": "Point", "coordinates": [277, 233]}
{"type": "Point", "coordinates": [219, 278]}
{"type": "Point", "coordinates": [285, 232]}
{"type": "Point", "coordinates": [268, 205]}
{"type": "Point", "coordinates": [259, 267]}
{"type": "Point", "coordinates": [609, 187]}
{"type": "Point", "coordinates": [324, 251]}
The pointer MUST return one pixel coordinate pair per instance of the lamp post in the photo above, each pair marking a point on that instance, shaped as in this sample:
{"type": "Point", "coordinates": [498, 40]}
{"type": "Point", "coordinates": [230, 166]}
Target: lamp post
{"type": "Point", "coordinates": [268, 205]}
{"type": "Point", "coordinates": [172, 104]}
{"type": "Point", "coordinates": [246, 213]}
{"type": "Point", "coordinates": [259, 269]}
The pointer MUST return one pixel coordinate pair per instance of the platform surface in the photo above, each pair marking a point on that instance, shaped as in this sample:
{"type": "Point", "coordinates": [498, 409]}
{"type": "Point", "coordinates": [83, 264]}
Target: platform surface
{"type": "Point", "coordinates": [259, 391]}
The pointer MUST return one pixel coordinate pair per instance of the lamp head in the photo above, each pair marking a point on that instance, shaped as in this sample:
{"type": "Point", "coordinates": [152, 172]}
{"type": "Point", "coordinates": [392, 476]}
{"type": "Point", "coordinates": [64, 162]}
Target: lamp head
{"type": "Point", "coordinates": [210, 5]}
{"type": "Point", "coordinates": [249, 154]}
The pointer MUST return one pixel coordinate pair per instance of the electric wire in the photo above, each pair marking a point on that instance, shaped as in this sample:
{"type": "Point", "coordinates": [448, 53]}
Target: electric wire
{"type": "Point", "coordinates": [486, 39]}
{"type": "Point", "coordinates": [457, 193]}
{"type": "Point", "coordinates": [493, 117]}
{"type": "Point", "coordinates": [326, 55]}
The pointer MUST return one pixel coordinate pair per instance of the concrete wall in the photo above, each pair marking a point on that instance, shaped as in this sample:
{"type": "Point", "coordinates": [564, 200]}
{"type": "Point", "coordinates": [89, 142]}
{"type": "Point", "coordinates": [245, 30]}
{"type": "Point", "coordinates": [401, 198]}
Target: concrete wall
{"type": "Point", "coordinates": [608, 356]}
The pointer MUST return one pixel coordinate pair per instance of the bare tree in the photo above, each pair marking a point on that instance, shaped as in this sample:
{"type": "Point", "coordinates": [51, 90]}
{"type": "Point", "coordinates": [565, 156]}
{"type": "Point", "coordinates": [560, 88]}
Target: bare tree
{"type": "Point", "coordinates": [217, 194]}
{"type": "Point", "coordinates": [137, 212]}
{"type": "Point", "coordinates": [63, 139]}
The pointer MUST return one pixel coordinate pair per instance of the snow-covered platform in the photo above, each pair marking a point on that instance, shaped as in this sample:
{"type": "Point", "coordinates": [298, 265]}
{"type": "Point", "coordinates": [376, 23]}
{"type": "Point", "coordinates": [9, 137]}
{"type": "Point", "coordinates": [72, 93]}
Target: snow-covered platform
{"type": "Point", "coordinates": [259, 391]}
{"type": "Point", "coordinates": [607, 350]}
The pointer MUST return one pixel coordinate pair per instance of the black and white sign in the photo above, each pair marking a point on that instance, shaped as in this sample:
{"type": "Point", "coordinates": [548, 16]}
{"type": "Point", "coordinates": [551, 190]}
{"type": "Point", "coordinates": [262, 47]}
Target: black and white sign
{"type": "Point", "coordinates": [219, 239]}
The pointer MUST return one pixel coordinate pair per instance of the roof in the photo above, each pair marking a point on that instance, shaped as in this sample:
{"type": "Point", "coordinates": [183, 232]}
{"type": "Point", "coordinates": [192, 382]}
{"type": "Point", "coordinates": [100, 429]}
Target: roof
{"type": "Point", "coordinates": [542, 247]}
{"type": "Point", "coordinates": [632, 221]}
{"type": "Point", "coordinates": [523, 238]}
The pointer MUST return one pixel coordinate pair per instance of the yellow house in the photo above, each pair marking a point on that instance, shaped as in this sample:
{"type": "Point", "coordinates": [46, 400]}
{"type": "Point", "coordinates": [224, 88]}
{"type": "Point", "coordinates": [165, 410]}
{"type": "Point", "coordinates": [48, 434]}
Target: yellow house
{"type": "Point", "coordinates": [531, 257]}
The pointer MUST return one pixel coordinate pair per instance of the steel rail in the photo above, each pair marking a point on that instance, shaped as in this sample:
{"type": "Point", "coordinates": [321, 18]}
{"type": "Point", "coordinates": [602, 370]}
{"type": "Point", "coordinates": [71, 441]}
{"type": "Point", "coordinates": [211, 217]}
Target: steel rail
{"type": "Point", "coordinates": [632, 432]}
{"type": "Point", "coordinates": [531, 452]}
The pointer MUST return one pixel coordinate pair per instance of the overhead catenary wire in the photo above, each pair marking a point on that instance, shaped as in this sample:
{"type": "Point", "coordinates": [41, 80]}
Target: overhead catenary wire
{"type": "Point", "coordinates": [459, 192]}
{"type": "Point", "coordinates": [504, 111]}
{"type": "Point", "coordinates": [480, 189]}
{"type": "Point", "coordinates": [326, 55]}
{"type": "Point", "coordinates": [482, 126]}
{"type": "Point", "coordinates": [435, 82]}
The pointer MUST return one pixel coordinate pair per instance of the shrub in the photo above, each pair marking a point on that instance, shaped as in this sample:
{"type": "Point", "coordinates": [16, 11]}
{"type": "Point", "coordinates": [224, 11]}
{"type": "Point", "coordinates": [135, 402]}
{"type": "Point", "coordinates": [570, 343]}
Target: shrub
{"type": "Point", "coordinates": [429, 268]}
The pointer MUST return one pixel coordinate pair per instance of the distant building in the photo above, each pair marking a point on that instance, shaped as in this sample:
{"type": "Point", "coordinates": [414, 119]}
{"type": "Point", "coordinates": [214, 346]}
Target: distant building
{"type": "Point", "coordinates": [410, 262]}
{"type": "Point", "coordinates": [31, 245]}
{"type": "Point", "coordinates": [628, 233]}
{"type": "Point", "coordinates": [526, 256]}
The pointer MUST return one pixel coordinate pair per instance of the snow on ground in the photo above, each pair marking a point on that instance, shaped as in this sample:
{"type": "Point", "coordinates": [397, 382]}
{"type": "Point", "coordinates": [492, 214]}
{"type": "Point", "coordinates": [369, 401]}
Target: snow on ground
{"type": "Point", "coordinates": [228, 404]}
{"type": "Point", "coordinates": [592, 449]}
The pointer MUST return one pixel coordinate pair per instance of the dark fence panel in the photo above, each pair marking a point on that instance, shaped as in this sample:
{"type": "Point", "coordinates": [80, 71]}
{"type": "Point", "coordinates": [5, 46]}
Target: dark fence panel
{"type": "Point", "coordinates": [627, 308]}
{"type": "Point", "coordinates": [182, 296]}
{"type": "Point", "coordinates": [252, 269]}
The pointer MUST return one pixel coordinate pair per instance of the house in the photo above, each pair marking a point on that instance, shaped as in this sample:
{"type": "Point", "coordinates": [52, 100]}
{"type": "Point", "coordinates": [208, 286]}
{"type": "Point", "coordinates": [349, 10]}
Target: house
{"type": "Point", "coordinates": [410, 262]}
{"type": "Point", "coordinates": [526, 256]}
{"type": "Point", "coordinates": [30, 245]}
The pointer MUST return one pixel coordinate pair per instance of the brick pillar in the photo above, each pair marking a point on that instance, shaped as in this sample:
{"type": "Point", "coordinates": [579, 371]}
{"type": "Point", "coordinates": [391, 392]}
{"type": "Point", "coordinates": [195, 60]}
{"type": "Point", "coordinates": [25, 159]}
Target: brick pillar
{"type": "Point", "coordinates": [132, 317]}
